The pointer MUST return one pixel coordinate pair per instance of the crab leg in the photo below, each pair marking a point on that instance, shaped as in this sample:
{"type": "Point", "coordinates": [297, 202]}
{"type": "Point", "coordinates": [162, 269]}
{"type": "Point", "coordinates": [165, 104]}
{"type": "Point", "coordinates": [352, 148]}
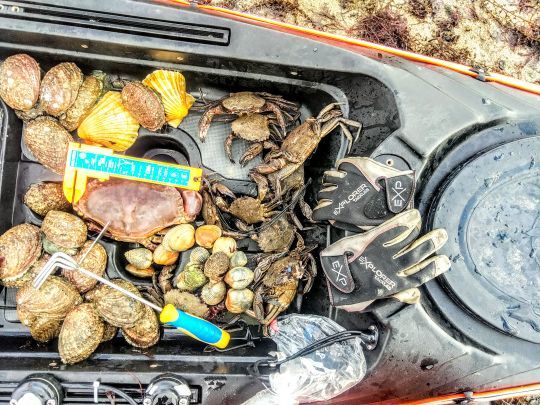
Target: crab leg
{"type": "Point", "coordinates": [228, 146]}
{"type": "Point", "coordinates": [206, 120]}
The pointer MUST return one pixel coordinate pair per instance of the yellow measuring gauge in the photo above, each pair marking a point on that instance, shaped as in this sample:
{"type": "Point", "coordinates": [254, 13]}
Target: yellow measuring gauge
{"type": "Point", "coordinates": [84, 161]}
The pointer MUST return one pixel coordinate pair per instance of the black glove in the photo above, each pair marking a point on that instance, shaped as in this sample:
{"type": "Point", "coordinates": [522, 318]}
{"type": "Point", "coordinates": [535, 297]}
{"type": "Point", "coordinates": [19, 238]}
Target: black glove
{"type": "Point", "coordinates": [382, 262]}
{"type": "Point", "coordinates": [363, 193]}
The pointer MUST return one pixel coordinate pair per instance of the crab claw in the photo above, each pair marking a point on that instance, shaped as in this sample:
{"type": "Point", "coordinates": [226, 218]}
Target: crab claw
{"type": "Point", "coordinates": [192, 202]}
{"type": "Point", "coordinates": [206, 120]}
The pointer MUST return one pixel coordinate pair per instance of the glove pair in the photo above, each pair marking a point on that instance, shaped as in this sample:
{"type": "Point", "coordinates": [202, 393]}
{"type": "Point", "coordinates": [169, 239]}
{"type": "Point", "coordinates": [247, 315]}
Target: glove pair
{"type": "Point", "coordinates": [389, 260]}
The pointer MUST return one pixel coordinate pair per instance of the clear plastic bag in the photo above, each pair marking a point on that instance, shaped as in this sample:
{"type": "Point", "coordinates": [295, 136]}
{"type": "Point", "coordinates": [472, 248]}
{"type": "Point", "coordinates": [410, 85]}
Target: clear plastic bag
{"type": "Point", "coordinates": [318, 376]}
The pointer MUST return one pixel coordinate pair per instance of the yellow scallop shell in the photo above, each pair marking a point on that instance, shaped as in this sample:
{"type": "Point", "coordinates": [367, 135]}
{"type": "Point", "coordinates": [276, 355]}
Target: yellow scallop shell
{"type": "Point", "coordinates": [109, 124]}
{"type": "Point", "coordinates": [171, 86]}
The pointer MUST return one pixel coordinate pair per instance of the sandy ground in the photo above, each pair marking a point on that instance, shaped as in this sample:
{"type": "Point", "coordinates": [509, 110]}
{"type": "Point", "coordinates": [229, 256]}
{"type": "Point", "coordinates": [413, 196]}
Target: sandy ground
{"type": "Point", "coordinates": [498, 35]}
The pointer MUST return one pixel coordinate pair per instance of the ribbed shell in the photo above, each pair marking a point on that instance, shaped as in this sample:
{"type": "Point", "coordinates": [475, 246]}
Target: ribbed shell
{"type": "Point", "coordinates": [86, 98]}
{"type": "Point", "coordinates": [171, 86]}
{"type": "Point", "coordinates": [48, 141]}
{"type": "Point", "coordinates": [95, 262]}
{"type": "Point", "coordinates": [145, 333]}
{"type": "Point", "coordinates": [213, 293]}
{"type": "Point", "coordinates": [109, 332]}
{"type": "Point", "coordinates": [144, 104]}
{"type": "Point", "coordinates": [20, 247]}
{"type": "Point", "coordinates": [199, 255]}
{"type": "Point", "coordinates": [81, 334]}
{"type": "Point", "coordinates": [64, 230]}
{"type": "Point", "coordinates": [109, 124]}
{"type": "Point", "coordinates": [31, 273]}
{"type": "Point", "coordinates": [115, 307]}
{"type": "Point", "coordinates": [52, 300]}
{"type": "Point", "coordinates": [20, 79]}
{"type": "Point", "coordinates": [141, 258]}
{"type": "Point", "coordinates": [44, 197]}
{"type": "Point", "coordinates": [59, 88]}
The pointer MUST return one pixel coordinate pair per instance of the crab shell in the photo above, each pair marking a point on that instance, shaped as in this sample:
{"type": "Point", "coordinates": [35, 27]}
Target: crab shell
{"type": "Point", "coordinates": [81, 334]}
{"type": "Point", "coordinates": [135, 210]}
{"type": "Point", "coordinates": [20, 247]}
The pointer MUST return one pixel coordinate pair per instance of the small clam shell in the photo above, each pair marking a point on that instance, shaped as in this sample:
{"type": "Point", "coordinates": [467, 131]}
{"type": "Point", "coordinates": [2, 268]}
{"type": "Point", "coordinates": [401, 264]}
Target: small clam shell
{"type": "Point", "coordinates": [20, 247]}
{"type": "Point", "coordinates": [145, 332]}
{"type": "Point", "coordinates": [186, 302]}
{"type": "Point", "coordinates": [144, 104]}
{"type": "Point", "coordinates": [206, 235]}
{"type": "Point", "coordinates": [164, 256]}
{"type": "Point", "coordinates": [179, 238]}
{"type": "Point", "coordinates": [59, 88]}
{"type": "Point", "coordinates": [64, 230]}
{"type": "Point", "coordinates": [239, 277]}
{"type": "Point", "coordinates": [213, 292]}
{"type": "Point", "coordinates": [216, 266]}
{"type": "Point", "coordinates": [20, 79]}
{"type": "Point", "coordinates": [48, 141]}
{"type": "Point", "coordinates": [81, 334]}
{"type": "Point", "coordinates": [142, 273]}
{"type": "Point", "coordinates": [224, 244]}
{"type": "Point", "coordinates": [95, 262]}
{"type": "Point", "coordinates": [86, 98]}
{"type": "Point", "coordinates": [44, 197]}
{"type": "Point", "coordinates": [238, 259]}
{"type": "Point", "coordinates": [191, 278]}
{"type": "Point", "coordinates": [141, 258]}
{"type": "Point", "coordinates": [199, 255]}
{"type": "Point", "coordinates": [239, 301]}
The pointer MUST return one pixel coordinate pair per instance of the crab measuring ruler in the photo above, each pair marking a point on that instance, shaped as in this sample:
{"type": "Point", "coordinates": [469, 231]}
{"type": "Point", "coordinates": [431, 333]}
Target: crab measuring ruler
{"type": "Point", "coordinates": [85, 161]}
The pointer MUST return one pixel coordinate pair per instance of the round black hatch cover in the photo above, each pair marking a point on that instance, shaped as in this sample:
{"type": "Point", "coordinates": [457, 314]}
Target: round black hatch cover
{"type": "Point", "coordinates": [491, 210]}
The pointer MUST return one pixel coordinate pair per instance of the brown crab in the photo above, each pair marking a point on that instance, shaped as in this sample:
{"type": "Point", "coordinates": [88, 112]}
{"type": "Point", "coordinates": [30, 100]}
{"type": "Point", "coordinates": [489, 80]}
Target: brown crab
{"type": "Point", "coordinates": [247, 102]}
{"type": "Point", "coordinates": [276, 281]}
{"type": "Point", "coordinates": [253, 128]}
{"type": "Point", "coordinates": [302, 141]}
{"type": "Point", "coordinates": [249, 210]}
{"type": "Point", "coordinates": [136, 210]}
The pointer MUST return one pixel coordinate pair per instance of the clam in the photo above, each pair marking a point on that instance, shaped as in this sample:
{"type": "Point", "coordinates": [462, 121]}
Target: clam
{"type": "Point", "coordinates": [144, 104]}
{"type": "Point", "coordinates": [239, 301]}
{"type": "Point", "coordinates": [109, 124]}
{"type": "Point", "coordinates": [44, 197]}
{"type": "Point", "coordinates": [81, 334]}
{"type": "Point", "coordinates": [142, 273]}
{"type": "Point", "coordinates": [45, 329]}
{"type": "Point", "coordinates": [48, 141]}
{"type": "Point", "coordinates": [171, 86]}
{"type": "Point", "coordinates": [20, 247]}
{"type": "Point", "coordinates": [109, 332]}
{"type": "Point", "coordinates": [141, 258]}
{"type": "Point", "coordinates": [53, 300]}
{"type": "Point", "coordinates": [226, 245]}
{"type": "Point", "coordinates": [63, 232]}
{"type": "Point", "coordinates": [206, 235]}
{"type": "Point", "coordinates": [164, 256]}
{"type": "Point", "coordinates": [86, 98]}
{"type": "Point", "coordinates": [199, 255]}
{"type": "Point", "coordinates": [238, 259]}
{"type": "Point", "coordinates": [239, 277]}
{"type": "Point", "coordinates": [179, 238]}
{"type": "Point", "coordinates": [32, 272]}
{"type": "Point", "coordinates": [116, 308]}
{"type": "Point", "coordinates": [95, 262]}
{"type": "Point", "coordinates": [216, 266]}
{"type": "Point", "coordinates": [20, 79]}
{"type": "Point", "coordinates": [59, 88]}
{"type": "Point", "coordinates": [186, 302]}
{"type": "Point", "coordinates": [191, 278]}
{"type": "Point", "coordinates": [145, 332]}
{"type": "Point", "coordinates": [213, 292]}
